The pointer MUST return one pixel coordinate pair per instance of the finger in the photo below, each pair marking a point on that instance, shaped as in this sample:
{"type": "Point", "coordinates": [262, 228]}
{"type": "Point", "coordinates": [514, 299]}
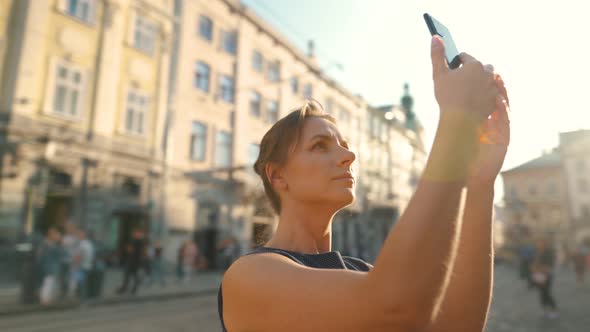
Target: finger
{"type": "Point", "coordinates": [502, 87]}
{"type": "Point", "coordinates": [466, 58]}
{"type": "Point", "coordinates": [437, 54]}
{"type": "Point", "coordinates": [502, 110]}
{"type": "Point", "coordinates": [489, 68]}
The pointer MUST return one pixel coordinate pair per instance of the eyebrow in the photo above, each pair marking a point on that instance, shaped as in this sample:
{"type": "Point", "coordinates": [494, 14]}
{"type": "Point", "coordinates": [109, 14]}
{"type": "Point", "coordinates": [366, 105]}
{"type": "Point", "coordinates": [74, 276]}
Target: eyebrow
{"type": "Point", "coordinates": [328, 137]}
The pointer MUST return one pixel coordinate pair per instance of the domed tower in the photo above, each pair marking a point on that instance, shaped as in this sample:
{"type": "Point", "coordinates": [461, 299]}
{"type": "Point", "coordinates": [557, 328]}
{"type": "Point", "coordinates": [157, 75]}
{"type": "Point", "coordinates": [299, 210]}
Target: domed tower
{"type": "Point", "coordinates": [407, 102]}
{"type": "Point", "coordinates": [407, 99]}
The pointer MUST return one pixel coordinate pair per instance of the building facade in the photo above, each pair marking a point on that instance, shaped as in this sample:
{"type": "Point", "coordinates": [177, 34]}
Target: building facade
{"type": "Point", "coordinates": [550, 195]}
{"type": "Point", "coordinates": [575, 151]}
{"type": "Point", "coordinates": [536, 202]}
{"type": "Point", "coordinates": [83, 103]}
{"type": "Point", "coordinates": [236, 77]}
{"type": "Point", "coordinates": [119, 114]}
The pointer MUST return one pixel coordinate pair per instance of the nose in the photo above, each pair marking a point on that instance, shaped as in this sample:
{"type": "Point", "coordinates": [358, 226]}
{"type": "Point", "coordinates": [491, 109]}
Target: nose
{"type": "Point", "coordinates": [347, 157]}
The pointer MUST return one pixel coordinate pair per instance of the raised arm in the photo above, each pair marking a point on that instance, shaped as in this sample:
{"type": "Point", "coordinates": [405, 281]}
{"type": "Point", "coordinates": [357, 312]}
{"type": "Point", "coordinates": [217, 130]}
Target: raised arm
{"type": "Point", "coordinates": [403, 292]}
{"type": "Point", "coordinates": [467, 300]}
{"type": "Point", "coordinates": [415, 263]}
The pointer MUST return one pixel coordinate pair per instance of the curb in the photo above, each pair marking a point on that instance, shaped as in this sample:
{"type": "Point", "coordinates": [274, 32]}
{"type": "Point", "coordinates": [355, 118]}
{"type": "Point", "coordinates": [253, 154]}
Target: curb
{"type": "Point", "coordinates": [19, 310]}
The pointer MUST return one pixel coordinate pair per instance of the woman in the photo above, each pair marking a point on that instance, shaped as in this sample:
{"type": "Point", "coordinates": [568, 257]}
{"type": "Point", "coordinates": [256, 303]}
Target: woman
{"type": "Point", "coordinates": [434, 271]}
{"type": "Point", "coordinates": [542, 274]}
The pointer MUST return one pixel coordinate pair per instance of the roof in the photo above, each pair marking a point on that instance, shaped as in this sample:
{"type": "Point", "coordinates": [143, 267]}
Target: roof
{"type": "Point", "coordinates": [573, 136]}
{"type": "Point", "coordinates": [552, 159]}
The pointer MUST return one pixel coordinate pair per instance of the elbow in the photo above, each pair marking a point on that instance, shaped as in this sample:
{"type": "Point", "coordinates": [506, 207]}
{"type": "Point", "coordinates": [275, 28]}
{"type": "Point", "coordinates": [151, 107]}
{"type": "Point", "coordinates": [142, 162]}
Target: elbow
{"type": "Point", "coordinates": [416, 317]}
{"type": "Point", "coordinates": [410, 320]}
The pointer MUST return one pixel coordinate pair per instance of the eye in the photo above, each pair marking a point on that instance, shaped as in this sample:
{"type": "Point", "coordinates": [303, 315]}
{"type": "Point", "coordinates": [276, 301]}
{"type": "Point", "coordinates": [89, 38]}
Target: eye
{"type": "Point", "coordinates": [319, 145]}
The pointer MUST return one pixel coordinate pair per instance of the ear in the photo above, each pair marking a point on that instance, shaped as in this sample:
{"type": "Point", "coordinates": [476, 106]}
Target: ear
{"type": "Point", "coordinates": [275, 176]}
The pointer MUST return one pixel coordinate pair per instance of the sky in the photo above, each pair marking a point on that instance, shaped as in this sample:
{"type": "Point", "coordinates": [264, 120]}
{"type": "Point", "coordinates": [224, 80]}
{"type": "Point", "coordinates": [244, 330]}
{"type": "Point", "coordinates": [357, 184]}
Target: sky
{"type": "Point", "coordinates": [540, 48]}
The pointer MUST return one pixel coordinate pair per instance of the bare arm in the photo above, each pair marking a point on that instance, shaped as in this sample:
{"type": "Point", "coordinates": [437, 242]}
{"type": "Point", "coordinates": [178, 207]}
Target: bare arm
{"type": "Point", "coordinates": [471, 279]}
{"type": "Point", "coordinates": [467, 301]}
{"type": "Point", "coordinates": [413, 268]}
{"type": "Point", "coordinates": [416, 260]}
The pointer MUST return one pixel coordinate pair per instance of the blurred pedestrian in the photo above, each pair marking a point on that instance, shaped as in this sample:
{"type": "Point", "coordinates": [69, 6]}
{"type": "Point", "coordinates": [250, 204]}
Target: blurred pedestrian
{"type": "Point", "coordinates": [189, 259]}
{"type": "Point", "coordinates": [157, 270]}
{"type": "Point", "coordinates": [49, 257]}
{"type": "Point", "coordinates": [542, 270]}
{"type": "Point", "coordinates": [228, 251]}
{"type": "Point", "coordinates": [70, 247]}
{"type": "Point", "coordinates": [179, 259]}
{"type": "Point", "coordinates": [526, 253]}
{"type": "Point", "coordinates": [134, 253]}
{"type": "Point", "coordinates": [148, 254]}
{"type": "Point", "coordinates": [86, 254]}
{"type": "Point", "coordinates": [580, 264]}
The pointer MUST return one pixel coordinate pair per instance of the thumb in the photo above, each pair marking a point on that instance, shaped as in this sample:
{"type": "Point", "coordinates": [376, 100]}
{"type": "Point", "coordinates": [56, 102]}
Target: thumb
{"type": "Point", "coordinates": [437, 53]}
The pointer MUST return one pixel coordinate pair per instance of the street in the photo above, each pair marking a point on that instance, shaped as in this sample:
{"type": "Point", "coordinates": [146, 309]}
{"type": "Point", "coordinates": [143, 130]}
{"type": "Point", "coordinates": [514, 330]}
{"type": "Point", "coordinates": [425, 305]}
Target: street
{"type": "Point", "coordinates": [514, 309]}
{"type": "Point", "coordinates": [181, 315]}
{"type": "Point", "coordinates": [517, 309]}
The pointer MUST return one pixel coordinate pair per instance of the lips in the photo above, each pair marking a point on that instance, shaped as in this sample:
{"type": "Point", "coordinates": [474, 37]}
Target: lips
{"type": "Point", "coordinates": [346, 176]}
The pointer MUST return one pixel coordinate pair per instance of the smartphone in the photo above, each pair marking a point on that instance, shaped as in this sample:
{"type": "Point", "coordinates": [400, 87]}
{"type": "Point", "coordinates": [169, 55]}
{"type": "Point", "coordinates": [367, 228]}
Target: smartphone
{"type": "Point", "coordinates": [437, 28]}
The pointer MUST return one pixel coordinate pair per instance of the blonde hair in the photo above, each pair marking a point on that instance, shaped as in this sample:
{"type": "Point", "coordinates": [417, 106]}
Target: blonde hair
{"type": "Point", "coordinates": [282, 139]}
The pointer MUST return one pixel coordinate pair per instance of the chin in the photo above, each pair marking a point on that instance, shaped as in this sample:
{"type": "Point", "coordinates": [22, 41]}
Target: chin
{"type": "Point", "coordinates": [346, 198]}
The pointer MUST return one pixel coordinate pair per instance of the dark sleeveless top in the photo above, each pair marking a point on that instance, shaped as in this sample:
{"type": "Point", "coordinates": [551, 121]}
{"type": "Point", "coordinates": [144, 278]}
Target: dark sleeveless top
{"type": "Point", "coordinates": [327, 260]}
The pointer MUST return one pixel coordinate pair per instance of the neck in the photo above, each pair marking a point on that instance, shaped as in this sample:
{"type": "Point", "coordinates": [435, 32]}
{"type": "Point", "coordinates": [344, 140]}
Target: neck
{"type": "Point", "coordinates": [303, 229]}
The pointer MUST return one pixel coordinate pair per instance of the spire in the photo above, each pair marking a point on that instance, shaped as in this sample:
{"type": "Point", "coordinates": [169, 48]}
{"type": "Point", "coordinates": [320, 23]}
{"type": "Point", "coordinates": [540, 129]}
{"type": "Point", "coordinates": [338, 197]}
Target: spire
{"type": "Point", "coordinates": [408, 100]}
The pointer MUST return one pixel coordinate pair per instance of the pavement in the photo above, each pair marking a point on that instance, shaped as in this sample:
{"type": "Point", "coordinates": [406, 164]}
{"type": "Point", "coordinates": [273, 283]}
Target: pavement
{"type": "Point", "coordinates": [198, 313]}
{"type": "Point", "coordinates": [516, 308]}
{"type": "Point", "coordinates": [203, 283]}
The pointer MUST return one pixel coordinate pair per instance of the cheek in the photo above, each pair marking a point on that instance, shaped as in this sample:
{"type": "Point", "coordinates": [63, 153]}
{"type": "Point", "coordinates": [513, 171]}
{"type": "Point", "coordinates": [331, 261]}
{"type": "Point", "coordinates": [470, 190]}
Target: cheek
{"type": "Point", "coordinates": [310, 176]}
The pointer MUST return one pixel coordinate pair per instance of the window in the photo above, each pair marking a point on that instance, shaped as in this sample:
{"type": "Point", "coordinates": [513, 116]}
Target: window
{"type": "Point", "coordinates": [223, 149]}
{"type": "Point", "coordinates": [552, 189]}
{"type": "Point", "coordinates": [307, 91]}
{"type": "Point", "coordinates": [272, 111]}
{"type": "Point", "coordinates": [583, 185]}
{"type": "Point", "coordinates": [206, 27]}
{"type": "Point", "coordinates": [255, 101]}
{"type": "Point", "coordinates": [344, 116]}
{"type": "Point", "coordinates": [257, 61]}
{"type": "Point", "coordinates": [198, 141]}
{"type": "Point", "coordinates": [230, 41]}
{"type": "Point", "coordinates": [384, 132]}
{"type": "Point", "coordinates": [375, 126]}
{"type": "Point", "coordinates": [202, 76]}
{"type": "Point", "coordinates": [329, 107]}
{"type": "Point", "coordinates": [144, 35]}
{"type": "Point", "coordinates": [226, 88]}
{"type": "Point", "coordinates": [294, 84]}
{"type": "Point", "coordinates": [532, 190]}
{"type": "Point", "coordinates": [274, 71]}
{"type": "Point", "coordinates": [128, 185]}
{"type": "Point", "coordinates": [67, 98]}
{"type": "Point", "coordinates": [135, 115]}
{"type": "Point", "coordinates": [81, 9]}
{"type": "Point", "coordinates": [513, 192]}
{"type": "Point", "coordinates": [253, 151]}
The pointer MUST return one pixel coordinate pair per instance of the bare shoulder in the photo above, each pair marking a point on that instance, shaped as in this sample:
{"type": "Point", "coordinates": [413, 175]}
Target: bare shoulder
{"type": "Point", "coordinates": [270, 292]}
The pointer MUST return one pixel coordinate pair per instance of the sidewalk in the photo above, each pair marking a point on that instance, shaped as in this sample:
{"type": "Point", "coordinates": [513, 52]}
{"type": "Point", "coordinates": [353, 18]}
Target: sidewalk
{"type": "Point", "coordinates": [204, 282]}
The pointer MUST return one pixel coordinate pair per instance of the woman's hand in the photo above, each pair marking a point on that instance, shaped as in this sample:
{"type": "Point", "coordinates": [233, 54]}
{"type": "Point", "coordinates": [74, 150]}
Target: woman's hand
{"type": "Point", "coordinates": [494, 137]}
{"type": "Point", "coordinates": [467, 96]}
{"type": "Point", "coordinates": [469, 90]}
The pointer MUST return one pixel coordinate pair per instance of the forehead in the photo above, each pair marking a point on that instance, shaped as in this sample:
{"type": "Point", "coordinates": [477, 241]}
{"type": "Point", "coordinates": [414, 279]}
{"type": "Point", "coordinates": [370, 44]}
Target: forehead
{"type": "Point", "coordinates": [317, 126]}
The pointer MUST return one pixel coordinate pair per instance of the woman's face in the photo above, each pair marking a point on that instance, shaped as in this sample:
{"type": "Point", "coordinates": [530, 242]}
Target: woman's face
{"type": "Point", "coordinates": [319, 170]}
